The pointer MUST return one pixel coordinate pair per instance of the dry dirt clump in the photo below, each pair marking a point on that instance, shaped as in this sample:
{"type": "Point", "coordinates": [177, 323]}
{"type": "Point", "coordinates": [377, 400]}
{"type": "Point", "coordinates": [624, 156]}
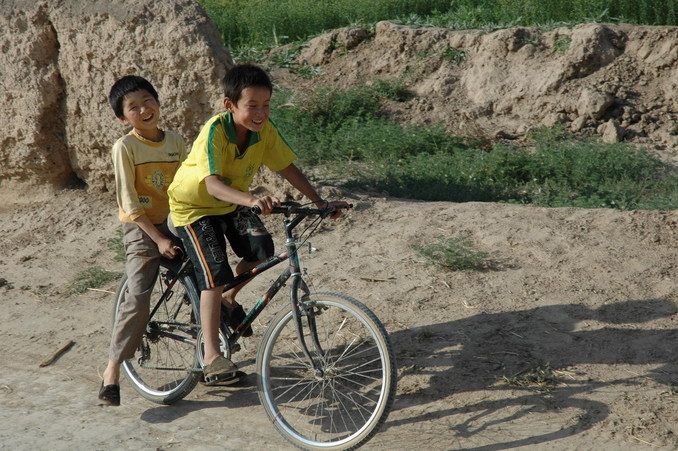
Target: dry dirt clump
{"type": "Point", "coordinates": [58, 59]}
{"type": "Point", "coordinates": [616, 81]}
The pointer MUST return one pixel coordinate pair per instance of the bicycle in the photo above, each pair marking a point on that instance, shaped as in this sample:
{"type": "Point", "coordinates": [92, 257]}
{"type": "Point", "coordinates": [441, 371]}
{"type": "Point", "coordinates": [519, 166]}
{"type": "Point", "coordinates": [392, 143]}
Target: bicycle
{"type": "Point", "coordinates": [326, 371]}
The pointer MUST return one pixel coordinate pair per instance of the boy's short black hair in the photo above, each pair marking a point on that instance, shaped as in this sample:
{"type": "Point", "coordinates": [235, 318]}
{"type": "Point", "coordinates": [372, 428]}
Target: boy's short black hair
{"type": "Point", "coordinates": [243, 76]}
{"type": "Point", "coordinates": [124, 86]}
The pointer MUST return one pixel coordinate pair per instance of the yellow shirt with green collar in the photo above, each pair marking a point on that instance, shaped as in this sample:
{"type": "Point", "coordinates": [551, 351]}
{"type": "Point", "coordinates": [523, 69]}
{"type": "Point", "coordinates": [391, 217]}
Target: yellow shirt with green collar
{"type": "Point", "coordinates": [144, 170]}
{"type": "Point", "coordinates": [215, 152]}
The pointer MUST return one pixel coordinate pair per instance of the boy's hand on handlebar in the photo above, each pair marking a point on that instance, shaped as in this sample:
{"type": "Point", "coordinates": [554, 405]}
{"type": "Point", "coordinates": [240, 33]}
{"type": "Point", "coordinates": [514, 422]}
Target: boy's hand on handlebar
{"type": "Point", "coordinates": [266, 204]}
{"type": "Point", "coordinates": [338, 205]}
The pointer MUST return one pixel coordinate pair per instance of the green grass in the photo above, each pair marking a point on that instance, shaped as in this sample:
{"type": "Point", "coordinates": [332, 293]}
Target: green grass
{"type": "Point", "coordinates": [349, 126]}
{"type": "Point", "coordinates": [455, 56]}
{"type": "Point", "coordinates": [566, 172]}
{"type": "Point", "coordinates": [116, 246]}
{"type": "Point", "coordinates": [456, 253]}
{"type": "Point", "coordinates": [346, 133]}
{"type": "Point", "coordinates": [94, 277]}
{"type": "Point", "coordinates": [276, 22]}
{"type": "Point", "coordinates": [561, 44]}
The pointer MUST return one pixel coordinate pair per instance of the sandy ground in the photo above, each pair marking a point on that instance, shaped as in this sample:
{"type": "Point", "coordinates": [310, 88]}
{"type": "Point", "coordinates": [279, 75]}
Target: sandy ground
{"type": "Point", "coordinates": [589, 296]}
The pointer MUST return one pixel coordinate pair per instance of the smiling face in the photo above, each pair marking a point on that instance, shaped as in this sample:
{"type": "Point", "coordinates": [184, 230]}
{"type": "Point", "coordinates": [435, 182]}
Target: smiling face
{"type": "Point", "coordinates": [251, 111]}
{"type": "Point", "coordinates": [142, 111]}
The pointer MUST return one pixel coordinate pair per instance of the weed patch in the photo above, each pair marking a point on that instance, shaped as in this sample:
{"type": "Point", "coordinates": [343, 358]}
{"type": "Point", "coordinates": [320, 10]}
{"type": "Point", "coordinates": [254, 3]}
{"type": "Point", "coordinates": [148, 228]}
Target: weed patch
{"type": "Point", "coordinates": [542, 377]}
{"type": "Point", "coordinates": [94, 277]}
{"type": "Point", "coordinates": [116, 246]}
{"type": "Point", "coordinates": [453, 253]}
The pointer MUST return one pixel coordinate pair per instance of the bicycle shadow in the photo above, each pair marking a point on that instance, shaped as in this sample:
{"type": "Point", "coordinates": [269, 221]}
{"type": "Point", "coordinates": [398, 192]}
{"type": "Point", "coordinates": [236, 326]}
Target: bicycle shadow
{"type": "Point", "coordinates": [477, 352]}
{"type": "Point", "coordinates": [242, 394]}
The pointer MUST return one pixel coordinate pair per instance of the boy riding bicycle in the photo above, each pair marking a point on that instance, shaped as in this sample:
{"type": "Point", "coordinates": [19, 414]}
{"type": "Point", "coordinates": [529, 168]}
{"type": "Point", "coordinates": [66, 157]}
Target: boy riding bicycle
{"type": "Point", "coordinates": [210, 201]}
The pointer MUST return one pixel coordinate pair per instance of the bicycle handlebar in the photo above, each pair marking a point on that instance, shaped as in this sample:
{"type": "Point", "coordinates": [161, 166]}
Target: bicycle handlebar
{"type": "Point", "coordinates": [294, 208]}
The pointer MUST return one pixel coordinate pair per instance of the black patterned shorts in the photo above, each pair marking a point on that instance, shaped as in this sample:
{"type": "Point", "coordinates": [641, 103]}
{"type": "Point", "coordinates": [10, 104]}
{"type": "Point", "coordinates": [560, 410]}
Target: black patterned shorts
{"type": "Point", "coordinates": [205, 243]}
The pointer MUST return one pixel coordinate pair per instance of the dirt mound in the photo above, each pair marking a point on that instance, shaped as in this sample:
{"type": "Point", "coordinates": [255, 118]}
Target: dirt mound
{"type": "Point", "coordinates": [617, 82]}
{"type": "Point", "coordinates": [60, 58]}
{"type": "Point", "coordinates": [498, 85]}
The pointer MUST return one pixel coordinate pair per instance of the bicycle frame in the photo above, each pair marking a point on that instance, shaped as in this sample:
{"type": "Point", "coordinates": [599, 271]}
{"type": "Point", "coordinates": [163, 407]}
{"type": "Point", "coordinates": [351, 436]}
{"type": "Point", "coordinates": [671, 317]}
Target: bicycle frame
{"type": "Point", "coordinates": [293, 271]}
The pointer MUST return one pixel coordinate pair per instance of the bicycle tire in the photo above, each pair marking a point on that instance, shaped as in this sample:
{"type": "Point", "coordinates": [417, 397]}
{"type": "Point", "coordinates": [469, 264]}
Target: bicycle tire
{"type": "Point", "coordinates": [163, 369]}
{"type": "Point", "coordinates": [346, 406]}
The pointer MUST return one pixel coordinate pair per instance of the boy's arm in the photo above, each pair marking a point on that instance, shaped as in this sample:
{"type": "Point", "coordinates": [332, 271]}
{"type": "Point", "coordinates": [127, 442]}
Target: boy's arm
{"type": "Point", "coordinates": [220, 190]}
{"type": "Point", "coordinates": [298, 180]}
{"type": "Point", "coordinates": [165, 245]}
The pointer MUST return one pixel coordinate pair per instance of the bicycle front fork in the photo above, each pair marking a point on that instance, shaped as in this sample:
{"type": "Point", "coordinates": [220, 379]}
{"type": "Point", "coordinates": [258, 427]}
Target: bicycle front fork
{"type": "Point", "coordinates": [302, 311]}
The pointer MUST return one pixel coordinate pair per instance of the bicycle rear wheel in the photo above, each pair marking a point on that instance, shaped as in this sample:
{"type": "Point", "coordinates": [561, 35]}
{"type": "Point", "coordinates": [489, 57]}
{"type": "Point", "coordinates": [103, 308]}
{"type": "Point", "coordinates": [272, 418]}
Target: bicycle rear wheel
{"type": "Point", "coordinates": [165, 368]}
{"type": "Point", "coordinates": [343, 405]}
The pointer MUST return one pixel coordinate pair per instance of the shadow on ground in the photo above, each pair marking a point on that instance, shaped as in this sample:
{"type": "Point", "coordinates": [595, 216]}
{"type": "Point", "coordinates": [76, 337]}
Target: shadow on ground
{"type": "Point", "coordinates": [497, 356]}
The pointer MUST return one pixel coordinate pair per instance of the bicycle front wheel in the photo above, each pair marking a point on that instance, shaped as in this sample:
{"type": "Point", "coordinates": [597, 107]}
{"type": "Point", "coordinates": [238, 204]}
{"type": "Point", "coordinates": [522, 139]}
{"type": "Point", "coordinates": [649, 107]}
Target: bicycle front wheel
{"type": "Point", "coordinates": [164, 368]}
{"type": "Point", "coordinates": [342, 403]}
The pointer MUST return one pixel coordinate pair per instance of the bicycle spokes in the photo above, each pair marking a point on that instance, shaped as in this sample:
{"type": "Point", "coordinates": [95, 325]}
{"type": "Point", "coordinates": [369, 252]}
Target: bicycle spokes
{"type": "Point", "coordinates": [339, 398]}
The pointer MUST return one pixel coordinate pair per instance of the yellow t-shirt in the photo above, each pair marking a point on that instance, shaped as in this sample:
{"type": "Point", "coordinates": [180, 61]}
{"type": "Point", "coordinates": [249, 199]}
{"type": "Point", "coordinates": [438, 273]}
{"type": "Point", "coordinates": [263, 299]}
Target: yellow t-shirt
{"type": "Point", "coordinates": [215, 152]}
{"type": "Point", "coordinates": [143, 171]}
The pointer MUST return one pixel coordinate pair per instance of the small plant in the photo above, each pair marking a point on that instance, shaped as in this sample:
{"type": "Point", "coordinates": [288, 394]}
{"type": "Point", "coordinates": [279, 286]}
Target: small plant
{"type": "Point", "coordinates": [251, 54]}
{"type": "Point", "coordinates": [542, 376]}
{"type": "Point", "coordinates": [533, 39]}
{"type": "Point", "coordinates": [453, 253]}
{"type": "Point", "coordinates": [116, 246]}
{"type": "Point", "coordinates": [333, 107]}
{"type": "Point", "coordinates": [671, 390]}
{"type": "Point", "coordinates": [307, 70]}
{"type": "Point", "coordinates": [94, 277]}
{"type": "Point", "coordinates": [285, 57]}
{"type": "Point", "coordinates": [561, 43]}
{"type": "Point", "coordinates": [456, 56]}
{"type": "Point", "coordinates": [424, 335]}
{"type": "Point", "coordinates": [391, 90]}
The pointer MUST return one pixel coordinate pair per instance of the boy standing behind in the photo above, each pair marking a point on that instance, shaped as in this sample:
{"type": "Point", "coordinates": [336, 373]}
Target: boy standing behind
{"type": "Point", "coordinates": [145, 161]}
{"type": "Point", "coordinates": [210, 200]}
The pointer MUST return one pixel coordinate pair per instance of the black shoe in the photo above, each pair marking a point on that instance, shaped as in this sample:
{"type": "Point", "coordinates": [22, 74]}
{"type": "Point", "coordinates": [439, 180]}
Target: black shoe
{"type": "Point", "coordinates": [233, 317]}
{"type": "Point", "coordinates": [109, 395]}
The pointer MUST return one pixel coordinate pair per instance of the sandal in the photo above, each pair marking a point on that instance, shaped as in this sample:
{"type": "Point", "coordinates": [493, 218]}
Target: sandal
{"type": "Point", "coordinates": [220, 369]}
{"type": "Point", "coordinates": [109, 395]}
{"type": "Point", "coordinates": [233, 317]}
